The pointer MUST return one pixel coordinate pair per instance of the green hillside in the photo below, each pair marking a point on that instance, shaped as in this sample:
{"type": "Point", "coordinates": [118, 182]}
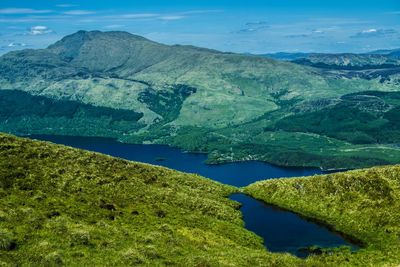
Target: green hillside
{"type": "Point", "coordinates": [60, 205]}
{"type": "Point", "coordinates": [363, 204]}
{"type": "Point", "coordinates": [198, 99]}
{"type": "Point", "coordinates": [65, 206]}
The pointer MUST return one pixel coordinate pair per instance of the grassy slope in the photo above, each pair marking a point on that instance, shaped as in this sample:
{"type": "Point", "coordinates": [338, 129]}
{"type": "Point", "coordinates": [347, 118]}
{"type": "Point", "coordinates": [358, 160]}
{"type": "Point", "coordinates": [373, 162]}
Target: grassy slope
{"type": "Point", "coordinates": [63, 205]}
{"type": "Point", "coordinates": [363, 204]}
{"type": "Point", "coordinates": [60, 205]}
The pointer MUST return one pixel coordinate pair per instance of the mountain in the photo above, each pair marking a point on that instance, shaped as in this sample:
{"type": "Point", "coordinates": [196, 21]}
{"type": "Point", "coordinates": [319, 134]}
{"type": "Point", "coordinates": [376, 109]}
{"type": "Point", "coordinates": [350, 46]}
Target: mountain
{"type": "Point", "coordinates": [394, 53]}
{"type": "Point", "coordinates": [65, 206]}
{"type": "Point", "coordinates": [349, 61]}
{"type": "Point", "coordinates": [124, 86]}
{"type": "Point", "coordinates": [380, 59]}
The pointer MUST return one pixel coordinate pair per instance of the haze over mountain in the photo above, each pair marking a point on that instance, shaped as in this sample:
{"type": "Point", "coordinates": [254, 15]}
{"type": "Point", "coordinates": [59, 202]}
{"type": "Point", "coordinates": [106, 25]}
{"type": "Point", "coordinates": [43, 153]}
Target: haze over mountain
{"type": "Point", "coordinates": [229, 105]}
{"type": "Point", "coordinates": [379, 59]}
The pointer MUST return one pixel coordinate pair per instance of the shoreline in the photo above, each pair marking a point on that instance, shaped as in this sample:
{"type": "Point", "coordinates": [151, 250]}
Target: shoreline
{"type": "Point", "coordinates": [208, 161]}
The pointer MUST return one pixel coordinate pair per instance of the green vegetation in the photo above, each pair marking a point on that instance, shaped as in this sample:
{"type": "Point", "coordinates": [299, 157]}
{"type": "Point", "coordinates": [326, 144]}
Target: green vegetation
{"type": "Point", "coordinates": [167, 103]}
{"type": "Point", "coordinates": [24, 113]}
{"type": "Point", "coordinates": [241, 107]}
{"type": "Point", "coordinates": [60, 205]}
{"type": "Point", "coordinates": [64, 206]}
{"type": "Point", "coordinates": [375, 118]}
{"type": "Point", "coordinates": [363, 204]}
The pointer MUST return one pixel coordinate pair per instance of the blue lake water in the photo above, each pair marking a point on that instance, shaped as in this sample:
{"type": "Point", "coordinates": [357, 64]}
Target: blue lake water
{"type": "Point", "coordinates": [283, 231]}
{"type": "Point", "coordinates": [236, 174]}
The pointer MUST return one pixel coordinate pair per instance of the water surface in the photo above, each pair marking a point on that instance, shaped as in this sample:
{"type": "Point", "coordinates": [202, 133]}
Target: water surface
{"type": "Point", "coordinates": [237, 174]}
{"type": "Point", "coordinates": [285, 231]}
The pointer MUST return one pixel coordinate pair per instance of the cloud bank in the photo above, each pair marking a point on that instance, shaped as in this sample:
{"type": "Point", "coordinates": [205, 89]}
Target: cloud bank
{"type": "Point", "coordinates": [368, 33]}
{"type": "Point", "coordinates": [17, 11]}
{"type": "Point", "coordinates": [39, 30]}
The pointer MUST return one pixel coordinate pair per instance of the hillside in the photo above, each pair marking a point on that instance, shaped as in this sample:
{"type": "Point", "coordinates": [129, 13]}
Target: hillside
{"type": "Point", "coordinates": [193, 98]}
{"type": "Point", "coordinates": [363, 204]}
{"type": "Point", "coordinates": [380, 59]}
{"type": "Point", "coordinates": [394, 53]}
{"type": "Point", "coordinates": [378, 64]}
{"type": "Point", "coordinates": [350, 61]}
{"type": "Point", "coordinates": [65, 206]}
{"type": "Point", "coordinates": [60, 205]}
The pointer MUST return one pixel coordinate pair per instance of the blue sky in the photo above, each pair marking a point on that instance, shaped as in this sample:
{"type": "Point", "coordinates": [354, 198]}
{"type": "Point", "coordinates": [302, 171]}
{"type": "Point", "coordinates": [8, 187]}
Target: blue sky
{"type": "Point", "coordinates": [237, 26]}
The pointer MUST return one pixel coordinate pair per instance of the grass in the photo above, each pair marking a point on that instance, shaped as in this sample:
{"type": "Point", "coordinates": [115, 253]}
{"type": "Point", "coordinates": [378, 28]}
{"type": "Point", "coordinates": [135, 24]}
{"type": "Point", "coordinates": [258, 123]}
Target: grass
{"type": "Point", "coordinates": [65, 206]}
{"type": "Point", "coordinates": [363, 204]}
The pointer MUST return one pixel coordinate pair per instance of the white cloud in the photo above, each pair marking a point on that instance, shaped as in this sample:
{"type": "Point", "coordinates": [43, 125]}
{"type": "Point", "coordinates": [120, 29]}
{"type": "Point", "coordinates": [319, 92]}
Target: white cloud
{"type": "Point", "coordinates": [149, 16]}
{"type": "Point", "coordinates": [114, 26]}
{"type": "Point", "coordinates": [139, 15]}
{"type": "Point", "coordinates": [374, 33]}
{"type": "Point", "coordinates": [14, 11]}
{"type": "Point", "coordinates": [251, 27]}
{"type": "Point", "coordinates": [66, 5]}
{"type": "Point", "coordinates": [87, 20]}
{"type": "Point", "coordinates": [39, 30]}
{"type": "Point", "coordinates": [16, 45]}
{"type": "Point", "coordinates": [79, 12]}
{"type": "Point", "coordinates": [369, 31]}
{"type": "Point", "coordinates": [257, 24]}
{"type": "Point", "coordinates": [194, 12]}
{"type": "Point", "coordinates": [172, 17]}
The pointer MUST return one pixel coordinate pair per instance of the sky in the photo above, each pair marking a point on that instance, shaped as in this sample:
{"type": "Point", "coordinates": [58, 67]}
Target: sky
{"type": "Point", "coordinates": [242, 26]}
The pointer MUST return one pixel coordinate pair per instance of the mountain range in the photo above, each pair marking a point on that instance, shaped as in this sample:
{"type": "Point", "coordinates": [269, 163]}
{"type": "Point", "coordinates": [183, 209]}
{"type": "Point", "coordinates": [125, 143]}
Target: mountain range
{"type": "Point", "coordinates": [328, 111]}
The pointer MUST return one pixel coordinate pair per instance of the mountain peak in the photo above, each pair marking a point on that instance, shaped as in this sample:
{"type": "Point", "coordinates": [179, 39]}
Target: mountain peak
{"type": "Point", "coordinates": [76, 40]}
{"type": "Point", "coordinates": [101, 51]}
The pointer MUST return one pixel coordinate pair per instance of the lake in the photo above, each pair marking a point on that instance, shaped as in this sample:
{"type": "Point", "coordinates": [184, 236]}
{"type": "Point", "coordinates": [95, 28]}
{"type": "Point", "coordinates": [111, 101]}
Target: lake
{"type": "Point", "coordinates": [237, 174]}
{"type": "Point", "coordinates": [283, 231]}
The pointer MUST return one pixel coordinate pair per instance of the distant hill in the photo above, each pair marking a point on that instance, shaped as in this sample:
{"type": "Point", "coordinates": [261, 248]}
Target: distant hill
{"type": "Point", "coordinates": [380, 59]}
{"type": "Point", "coordinates": [349, 61]}
{"type": "Point", "coordinates": [389, 52]}
{"type": "Point", "coordinates": [120, 85]}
